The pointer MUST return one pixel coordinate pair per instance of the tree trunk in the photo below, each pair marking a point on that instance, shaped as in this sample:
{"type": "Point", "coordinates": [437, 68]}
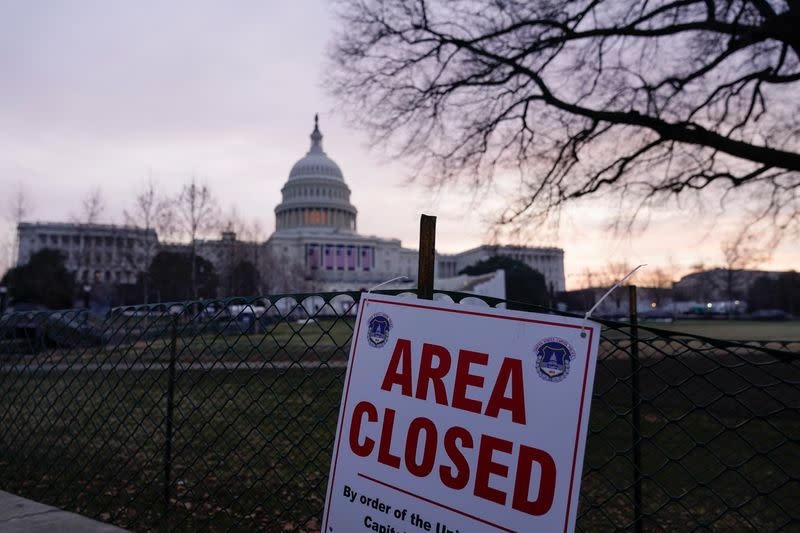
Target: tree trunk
{"type": "Point", "coordinates": [194, 269]}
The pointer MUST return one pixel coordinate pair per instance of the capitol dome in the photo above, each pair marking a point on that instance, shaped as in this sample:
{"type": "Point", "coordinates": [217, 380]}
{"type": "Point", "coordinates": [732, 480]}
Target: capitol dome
{"type": "Point", "coordinates": [316, 163]}
{"type": "Point", "coordinates": [315, 195]}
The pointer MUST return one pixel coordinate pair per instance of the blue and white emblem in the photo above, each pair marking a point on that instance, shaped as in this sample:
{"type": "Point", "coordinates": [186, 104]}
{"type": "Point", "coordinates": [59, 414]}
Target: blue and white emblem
{"type": "Point", "coordinates": [378, 328]}
{"type": "Point", "coordinates": [553, 356]}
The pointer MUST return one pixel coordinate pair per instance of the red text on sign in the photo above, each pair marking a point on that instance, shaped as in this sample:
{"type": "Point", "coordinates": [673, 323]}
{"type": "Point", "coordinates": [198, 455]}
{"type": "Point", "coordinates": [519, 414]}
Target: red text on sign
{"type": "Point", "coordinates": [419, 458]}
{"type": "Point", "coordinates": [436, 363]}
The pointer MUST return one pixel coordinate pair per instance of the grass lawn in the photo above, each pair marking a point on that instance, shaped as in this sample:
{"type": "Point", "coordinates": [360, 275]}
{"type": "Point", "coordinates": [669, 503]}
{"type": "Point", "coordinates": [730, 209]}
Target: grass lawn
{"type": "Point", "coordinates": [321, 340]}
{"type": "Point", "coordinates": [735, 329]}
{"type": "Point", "coordinates": [251, 450]}
{"type": "Point", "coordinates": [314, 341]}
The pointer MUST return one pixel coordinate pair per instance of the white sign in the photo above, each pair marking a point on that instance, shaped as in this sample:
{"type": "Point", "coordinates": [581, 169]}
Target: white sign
{"type": "Point", "coordinates": [457, 418]}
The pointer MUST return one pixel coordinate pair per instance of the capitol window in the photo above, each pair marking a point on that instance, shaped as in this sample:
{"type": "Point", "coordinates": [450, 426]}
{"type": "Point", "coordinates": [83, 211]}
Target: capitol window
{"type": "Point", "coordinates": [315, 216]}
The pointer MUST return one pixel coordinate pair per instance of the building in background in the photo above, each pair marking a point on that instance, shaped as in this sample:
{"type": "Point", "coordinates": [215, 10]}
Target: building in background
{"type": "Point", "coordinates": [315, 230]}
{"type": "Point", "coordinates": [719, 284]}
{"type": "Point", "coordinates": [548, 261]}
{"type": "Point", "coordinates": [316, 234]}
{"type": "Point", "coordinates": [315, 245]}
{"type": "Point", "coordinates": [92, 252]}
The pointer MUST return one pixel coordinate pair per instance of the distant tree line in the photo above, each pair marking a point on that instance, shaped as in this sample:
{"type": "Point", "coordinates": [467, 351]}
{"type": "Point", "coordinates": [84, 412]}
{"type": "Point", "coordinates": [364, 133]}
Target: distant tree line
{"type": "Point", "coordinates": [524, 285]}
{"type": "Point", "coordinates": [186, 218]}
{"type": "Point", "coordinates": [45, 281]}
{"type": "Point", "coordinates": [170, 275]}
{"type": "Point", "coordinates": [781, 292]}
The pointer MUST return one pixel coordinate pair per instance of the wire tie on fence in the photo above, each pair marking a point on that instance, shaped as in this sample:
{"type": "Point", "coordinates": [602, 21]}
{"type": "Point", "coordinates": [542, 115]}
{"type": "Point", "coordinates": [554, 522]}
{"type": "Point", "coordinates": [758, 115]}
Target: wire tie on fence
{"type": "Point", "coordinates": [608, 292]}
{"type": "Point", "coordinates": [398, 278]}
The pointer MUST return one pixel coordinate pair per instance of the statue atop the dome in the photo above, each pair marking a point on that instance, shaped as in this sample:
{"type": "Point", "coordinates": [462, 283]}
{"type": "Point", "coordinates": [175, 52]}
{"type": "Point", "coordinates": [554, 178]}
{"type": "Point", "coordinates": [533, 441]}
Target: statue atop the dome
{"type": "Point", "coordinates": [316, 137]}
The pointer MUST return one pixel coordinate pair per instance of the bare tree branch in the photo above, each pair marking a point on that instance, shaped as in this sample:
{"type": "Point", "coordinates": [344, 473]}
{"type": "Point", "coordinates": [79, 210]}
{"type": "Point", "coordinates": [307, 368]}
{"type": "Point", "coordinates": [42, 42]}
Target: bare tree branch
{"type": "Point", "coordinates": [196, 212]}
{"type": "Point", "coordinates": [17, 209]}
{"type": "Point", "coordinates": [581, 98]}
{"type": "Point", "coordinates": [93, 205]}
{"type": "Point", "coordinates": [149, 211]}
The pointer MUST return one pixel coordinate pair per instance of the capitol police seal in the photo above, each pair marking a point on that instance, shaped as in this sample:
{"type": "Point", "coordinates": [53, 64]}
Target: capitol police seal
{"type": "Point", "coordinates": [553, 356]}
{"type": "Point", "coordinates": [378, 328]}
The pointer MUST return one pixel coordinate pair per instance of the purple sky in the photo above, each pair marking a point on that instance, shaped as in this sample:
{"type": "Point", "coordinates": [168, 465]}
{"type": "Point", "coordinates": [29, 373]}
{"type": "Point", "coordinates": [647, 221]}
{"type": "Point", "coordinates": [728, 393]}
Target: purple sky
{"type": "Point", "coordinates": [98, 94]}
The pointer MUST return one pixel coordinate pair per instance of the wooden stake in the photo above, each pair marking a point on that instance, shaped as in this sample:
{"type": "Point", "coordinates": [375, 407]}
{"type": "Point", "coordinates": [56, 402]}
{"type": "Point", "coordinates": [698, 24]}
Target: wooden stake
{"type": "Point", "coordinates": [427, 256]}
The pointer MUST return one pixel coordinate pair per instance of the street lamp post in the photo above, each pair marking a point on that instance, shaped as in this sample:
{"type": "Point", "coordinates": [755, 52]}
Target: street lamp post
{"type": "Point", "coordinates": [87, 290]}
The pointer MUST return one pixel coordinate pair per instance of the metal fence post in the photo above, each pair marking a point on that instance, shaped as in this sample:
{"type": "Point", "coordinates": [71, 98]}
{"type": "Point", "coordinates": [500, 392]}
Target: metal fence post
{"type": "Point", "coordinates": [3, 296]}
{"type": "Point", "coordinates": [427, 257]}
{"type": "Point", "coordinates": [636, 410]}
{"type": "Point", "coordinates": [170, 408]}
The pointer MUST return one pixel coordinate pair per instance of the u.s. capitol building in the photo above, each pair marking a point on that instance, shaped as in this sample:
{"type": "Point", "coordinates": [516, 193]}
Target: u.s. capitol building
{"type": "Point", "coordinates": [316, 239]}
{"type": "Point", "coordinates": [316, 228]}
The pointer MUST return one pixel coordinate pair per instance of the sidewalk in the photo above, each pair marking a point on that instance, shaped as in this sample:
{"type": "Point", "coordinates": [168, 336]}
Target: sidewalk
{"type": "Point", "coordinates": [21, 515]}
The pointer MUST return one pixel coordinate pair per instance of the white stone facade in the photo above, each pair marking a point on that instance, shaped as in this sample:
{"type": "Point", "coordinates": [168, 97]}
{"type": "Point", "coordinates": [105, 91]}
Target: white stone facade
{"type": "Point", "coordinates": [92, 252]}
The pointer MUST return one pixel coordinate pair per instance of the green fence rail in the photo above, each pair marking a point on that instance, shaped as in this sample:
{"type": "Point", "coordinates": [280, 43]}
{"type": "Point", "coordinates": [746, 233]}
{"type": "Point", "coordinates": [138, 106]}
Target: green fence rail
{"type": "Point", "coordinates": [220, 415]}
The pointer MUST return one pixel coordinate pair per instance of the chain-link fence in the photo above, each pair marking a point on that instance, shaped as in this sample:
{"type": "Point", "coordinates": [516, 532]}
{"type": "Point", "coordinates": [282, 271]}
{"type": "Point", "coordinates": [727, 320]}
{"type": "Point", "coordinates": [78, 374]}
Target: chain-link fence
{"type": "Point", "coordinates": [221, 415]}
